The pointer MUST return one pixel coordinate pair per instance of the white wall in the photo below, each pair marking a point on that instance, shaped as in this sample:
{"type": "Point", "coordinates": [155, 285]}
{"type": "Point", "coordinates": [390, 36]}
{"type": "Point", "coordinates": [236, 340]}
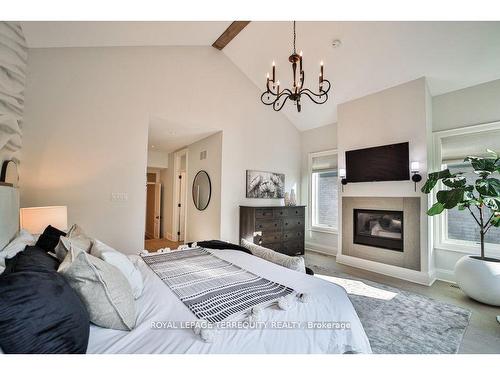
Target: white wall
{"type": "Point", "coordinates": [87, 115]}
{"type": "Point", "coordinates": [167, 181]}
{"type": "Point", "coordinates": [398, 114]}
{"type": "Point", "coordinates": [318, 139]}
{"type": "Point", "coordinates": [206, 224]}
{"type": "Point", "coordinates": [470, 106]}
{"type": "Point", "coordinates": [157, 159]}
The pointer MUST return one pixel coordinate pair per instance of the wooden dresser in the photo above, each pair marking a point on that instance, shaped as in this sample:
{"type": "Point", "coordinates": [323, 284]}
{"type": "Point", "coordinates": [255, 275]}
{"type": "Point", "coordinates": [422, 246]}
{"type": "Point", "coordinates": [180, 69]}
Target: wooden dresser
{"type": "Point", "coordinates": [279, 228]}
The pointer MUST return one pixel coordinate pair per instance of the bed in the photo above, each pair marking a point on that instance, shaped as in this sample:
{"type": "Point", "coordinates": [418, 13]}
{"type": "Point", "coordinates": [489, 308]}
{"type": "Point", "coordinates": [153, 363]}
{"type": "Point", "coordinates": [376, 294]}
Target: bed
{"type": "Point", "coordinates": [327, 302]}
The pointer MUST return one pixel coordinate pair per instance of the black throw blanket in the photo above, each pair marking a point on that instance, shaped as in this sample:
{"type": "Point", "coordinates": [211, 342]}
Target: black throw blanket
{"type": "Point", "coordinates": [221, 245]}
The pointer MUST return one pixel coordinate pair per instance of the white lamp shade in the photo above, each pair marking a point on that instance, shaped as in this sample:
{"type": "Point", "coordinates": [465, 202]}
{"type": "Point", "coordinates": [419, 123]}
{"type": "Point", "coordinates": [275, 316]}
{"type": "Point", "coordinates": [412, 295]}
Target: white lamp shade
{"type": "Point", "coordinates": [342, 173]}
{"type": "Point", "coordinates": [415, 166]}
{"type": "Point", "coordinates": [36, 219]}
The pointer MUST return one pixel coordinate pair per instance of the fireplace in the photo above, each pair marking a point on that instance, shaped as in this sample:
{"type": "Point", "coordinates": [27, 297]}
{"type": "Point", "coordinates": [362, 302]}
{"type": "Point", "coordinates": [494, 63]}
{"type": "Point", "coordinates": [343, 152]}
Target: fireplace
{"type": "Point", "coordinates": [379, 228]}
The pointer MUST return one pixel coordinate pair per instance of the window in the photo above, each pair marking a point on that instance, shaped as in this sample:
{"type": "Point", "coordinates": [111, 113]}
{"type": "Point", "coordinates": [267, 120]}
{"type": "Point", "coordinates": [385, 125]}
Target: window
{"type": "Point", "coordinates": [323, 200]}
{"type": "Point", "coordinates": [458, 227]}
{"type": "Point", "coordinates": [460, 224]}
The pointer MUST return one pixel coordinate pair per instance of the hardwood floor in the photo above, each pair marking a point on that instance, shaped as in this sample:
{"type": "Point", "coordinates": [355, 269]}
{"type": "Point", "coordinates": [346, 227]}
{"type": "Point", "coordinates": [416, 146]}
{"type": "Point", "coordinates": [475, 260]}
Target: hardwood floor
{"type": "Point", "coordinates": [155, 244]}
{"type": "Point", "coordinates": [483, 332]}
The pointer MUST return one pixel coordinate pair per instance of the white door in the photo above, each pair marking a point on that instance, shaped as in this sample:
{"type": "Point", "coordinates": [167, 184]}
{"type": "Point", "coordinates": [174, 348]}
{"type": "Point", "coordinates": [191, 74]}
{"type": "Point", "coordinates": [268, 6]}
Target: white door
{"type": "Point", "coordinates": [182, 205]}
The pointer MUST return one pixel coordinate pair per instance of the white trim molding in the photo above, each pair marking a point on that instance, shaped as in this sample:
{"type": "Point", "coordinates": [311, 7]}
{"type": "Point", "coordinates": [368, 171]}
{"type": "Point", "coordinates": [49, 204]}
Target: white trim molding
{"type": "Point", "coordinates": [176, 195]}
{"type": "Point", "coordinates": [310, 158]}
{"type": "Point", "coordinates": [418, 277]}
{"type": "Point", "coordinates": [439, 223]}
{"type": "Point", "coordinates": [319, 248]}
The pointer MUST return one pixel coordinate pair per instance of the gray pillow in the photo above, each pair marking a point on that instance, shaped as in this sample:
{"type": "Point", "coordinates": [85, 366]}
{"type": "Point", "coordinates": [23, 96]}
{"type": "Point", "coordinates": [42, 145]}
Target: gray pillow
{"type": "Point", "coordinates": [103, 289]}
{"type": "Point", "coordinates": [294, 263]}
{"type": "Point", "coordinates": [76, 237]}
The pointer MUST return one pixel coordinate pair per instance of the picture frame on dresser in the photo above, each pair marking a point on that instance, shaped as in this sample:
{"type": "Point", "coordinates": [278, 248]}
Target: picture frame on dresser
{"type": "Point", "coordinates": [280, 228]}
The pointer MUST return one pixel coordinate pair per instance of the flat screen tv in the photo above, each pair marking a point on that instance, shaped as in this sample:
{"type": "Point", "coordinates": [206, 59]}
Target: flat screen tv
{"type": "Point", "coordinates": [384, 163]}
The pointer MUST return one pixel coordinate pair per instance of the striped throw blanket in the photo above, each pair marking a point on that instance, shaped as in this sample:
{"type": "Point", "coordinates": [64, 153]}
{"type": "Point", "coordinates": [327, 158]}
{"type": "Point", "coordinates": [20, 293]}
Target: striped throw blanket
{"type": "Point", "coordinates": [212, 288]}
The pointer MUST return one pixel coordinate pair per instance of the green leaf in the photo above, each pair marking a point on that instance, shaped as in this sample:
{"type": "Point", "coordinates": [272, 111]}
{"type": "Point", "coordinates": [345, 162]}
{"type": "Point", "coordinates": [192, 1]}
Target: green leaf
{"type": "Point", "coordinates": [428, 186]}
{"type": "Point", "coordinates": [481, 165]}
{"type": "Point", "coordinates": [455, 182]}
{"type": "Point", "coordinates": [495, 221]}
{"type": "Point", "coordinates": [441, 174]}
{"type": "Point", "coordinates": [492, 203]}
{"type": "Point", "coordinates": [482, 174]}
{"type": "Point", "coordinates": [450, 198]}
{"type": "Point", "coordinates": [436, 209]}
{"type": "Point", "coordinates": [469, 199]}
{"type": "Point", "coordinates": [433, 178]}
{"type": "Point", "coordinates": [489, 187]}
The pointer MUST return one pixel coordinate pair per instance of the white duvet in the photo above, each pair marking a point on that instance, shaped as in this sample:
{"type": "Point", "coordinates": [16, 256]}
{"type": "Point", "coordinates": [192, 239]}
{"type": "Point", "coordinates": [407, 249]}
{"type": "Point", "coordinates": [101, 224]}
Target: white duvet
{"type": "Point", "coordinates": [327, 302]}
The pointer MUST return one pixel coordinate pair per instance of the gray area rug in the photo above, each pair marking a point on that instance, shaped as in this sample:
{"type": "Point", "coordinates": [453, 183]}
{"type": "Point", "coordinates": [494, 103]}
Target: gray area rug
{"type": "Point", "coordinates": [400, 322]}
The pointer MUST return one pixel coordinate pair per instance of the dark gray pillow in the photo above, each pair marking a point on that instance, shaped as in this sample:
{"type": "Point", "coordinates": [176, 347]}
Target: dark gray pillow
{"type": "Point", "coordinates": [32, 258]}
{"type": "Point", "coordinates": [40, 313]}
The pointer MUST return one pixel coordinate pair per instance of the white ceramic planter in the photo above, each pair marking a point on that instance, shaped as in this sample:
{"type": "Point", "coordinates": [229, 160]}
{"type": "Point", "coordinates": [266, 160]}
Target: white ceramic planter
{"type": "Point", "coordinates": [479, 279]}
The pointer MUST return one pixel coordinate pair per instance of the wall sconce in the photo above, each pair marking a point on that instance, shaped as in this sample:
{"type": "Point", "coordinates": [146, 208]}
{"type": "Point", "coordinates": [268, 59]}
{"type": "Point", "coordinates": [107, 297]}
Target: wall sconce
{"type": "Point", "coordinates": [415, 169]}
{"type": "Point", "coordinates": [342, 176]}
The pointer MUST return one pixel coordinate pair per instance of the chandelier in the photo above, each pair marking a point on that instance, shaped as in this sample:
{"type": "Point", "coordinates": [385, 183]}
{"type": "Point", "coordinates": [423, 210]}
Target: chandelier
{"type": "Point", "coordinates": [273, 96]}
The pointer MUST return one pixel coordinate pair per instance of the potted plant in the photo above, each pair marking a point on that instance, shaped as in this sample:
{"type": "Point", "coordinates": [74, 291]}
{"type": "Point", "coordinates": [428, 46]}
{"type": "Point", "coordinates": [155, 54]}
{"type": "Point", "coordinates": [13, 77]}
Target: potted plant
{"type": "Point", "coordinates": [477, 276]}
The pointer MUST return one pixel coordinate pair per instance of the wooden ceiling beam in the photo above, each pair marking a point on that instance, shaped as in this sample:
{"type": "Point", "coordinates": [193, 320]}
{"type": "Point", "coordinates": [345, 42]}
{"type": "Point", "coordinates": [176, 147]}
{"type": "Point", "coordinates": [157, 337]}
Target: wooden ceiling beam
{"type": "Point", "coordinates": [230, 33]}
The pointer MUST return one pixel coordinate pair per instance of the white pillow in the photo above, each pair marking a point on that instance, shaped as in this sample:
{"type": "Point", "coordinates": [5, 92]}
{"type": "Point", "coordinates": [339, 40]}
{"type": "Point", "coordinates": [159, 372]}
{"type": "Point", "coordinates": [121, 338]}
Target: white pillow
{"type": "Point", "coordinates": [115, 258]}
{"type": "Point", "coordinates": [23, 239]}
{"type": "Point", "coordinates": [294, 263]}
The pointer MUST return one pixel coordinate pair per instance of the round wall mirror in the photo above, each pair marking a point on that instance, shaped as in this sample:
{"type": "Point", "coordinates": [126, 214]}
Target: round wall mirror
{"type": "Point", "coordinates": [202, 190]}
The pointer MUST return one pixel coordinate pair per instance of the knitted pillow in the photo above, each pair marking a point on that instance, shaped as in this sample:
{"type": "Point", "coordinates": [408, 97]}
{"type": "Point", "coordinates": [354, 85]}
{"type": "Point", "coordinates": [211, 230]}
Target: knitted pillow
{"type": "Point", "coordinates": [294, 263]}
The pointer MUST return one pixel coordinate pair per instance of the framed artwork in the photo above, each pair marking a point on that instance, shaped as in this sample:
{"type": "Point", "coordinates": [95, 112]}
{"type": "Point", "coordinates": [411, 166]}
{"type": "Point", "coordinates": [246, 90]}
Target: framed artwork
{"type": "Point", "coordinates": [265, 185]}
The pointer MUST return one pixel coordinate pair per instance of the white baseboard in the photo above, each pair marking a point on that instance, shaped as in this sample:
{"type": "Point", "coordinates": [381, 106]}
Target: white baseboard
{"type": "Point", "coordinates": [445, 275]}
{"type": "Point", "coordinates": [318, 248]}
{"type": "Point", "coordinates": [418, 277]}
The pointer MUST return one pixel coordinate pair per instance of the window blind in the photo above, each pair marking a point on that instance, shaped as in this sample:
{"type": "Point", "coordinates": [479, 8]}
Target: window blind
{"type": "Point", "coordinates": [324, 163]}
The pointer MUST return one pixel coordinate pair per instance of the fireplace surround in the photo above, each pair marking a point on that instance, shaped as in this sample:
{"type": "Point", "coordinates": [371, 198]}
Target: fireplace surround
{"type": "Point", "coordinates": [406, 257]}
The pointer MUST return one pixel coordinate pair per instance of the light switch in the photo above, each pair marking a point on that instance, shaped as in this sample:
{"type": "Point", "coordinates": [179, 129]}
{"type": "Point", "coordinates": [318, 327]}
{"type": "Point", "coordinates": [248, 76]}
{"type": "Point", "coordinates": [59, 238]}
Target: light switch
{"type": "Point", "coordinates": [119, 197]}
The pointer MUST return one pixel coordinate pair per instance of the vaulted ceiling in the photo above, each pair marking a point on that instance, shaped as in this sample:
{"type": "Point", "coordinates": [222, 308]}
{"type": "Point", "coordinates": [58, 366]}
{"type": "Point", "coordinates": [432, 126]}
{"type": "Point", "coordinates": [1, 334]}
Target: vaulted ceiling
{"type": "Point", "coordinates": [372, 56]}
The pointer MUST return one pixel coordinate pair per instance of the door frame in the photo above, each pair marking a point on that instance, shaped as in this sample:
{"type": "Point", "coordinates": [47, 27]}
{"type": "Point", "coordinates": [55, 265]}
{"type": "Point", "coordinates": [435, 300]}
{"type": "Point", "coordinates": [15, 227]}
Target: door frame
{"type": "Point", "coordinates": [176, 193]}
{"type": "Point", "coordinates": [156, 183]}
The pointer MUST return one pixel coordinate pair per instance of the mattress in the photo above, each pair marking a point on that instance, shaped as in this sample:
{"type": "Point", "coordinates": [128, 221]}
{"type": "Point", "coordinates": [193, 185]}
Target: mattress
{"type": "Point", "coordinates": [326, 323]}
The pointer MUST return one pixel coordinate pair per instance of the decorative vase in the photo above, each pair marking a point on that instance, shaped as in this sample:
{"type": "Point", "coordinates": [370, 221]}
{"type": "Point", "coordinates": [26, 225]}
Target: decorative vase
{"type": "Point", "coordinates": [287, 199]}
{"type": "Point", "coordinates": [479, 278]}
{"type": "Point", "coordinates": [293, 198]}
